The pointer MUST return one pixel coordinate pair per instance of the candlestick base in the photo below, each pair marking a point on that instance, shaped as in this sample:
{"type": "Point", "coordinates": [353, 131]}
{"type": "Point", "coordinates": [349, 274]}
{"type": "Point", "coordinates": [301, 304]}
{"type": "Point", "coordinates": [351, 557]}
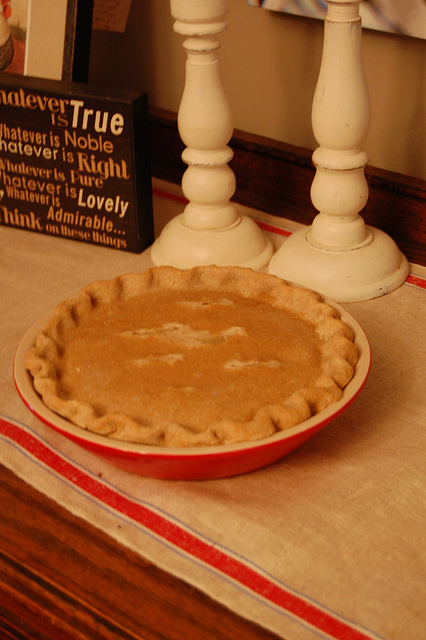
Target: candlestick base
{"type": "Point", "coordinates": [239, 244]}
{"type": "Point", "coordinates": [371, 269]}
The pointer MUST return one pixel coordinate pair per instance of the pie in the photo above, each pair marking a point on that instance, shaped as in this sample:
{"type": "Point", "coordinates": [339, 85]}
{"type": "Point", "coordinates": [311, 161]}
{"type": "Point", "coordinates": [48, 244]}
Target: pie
{"type": "Point", "coordinates": [203, 356]}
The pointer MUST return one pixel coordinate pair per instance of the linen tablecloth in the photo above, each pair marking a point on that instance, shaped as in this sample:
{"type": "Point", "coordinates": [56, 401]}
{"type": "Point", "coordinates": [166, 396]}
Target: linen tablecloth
{"type": "Point", "coordinates": [327, 543]}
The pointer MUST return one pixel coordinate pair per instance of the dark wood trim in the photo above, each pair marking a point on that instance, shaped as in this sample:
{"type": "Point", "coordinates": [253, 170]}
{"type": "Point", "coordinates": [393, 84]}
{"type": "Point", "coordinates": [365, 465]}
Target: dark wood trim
{"type": "Point", "coordinates": [276, 178]}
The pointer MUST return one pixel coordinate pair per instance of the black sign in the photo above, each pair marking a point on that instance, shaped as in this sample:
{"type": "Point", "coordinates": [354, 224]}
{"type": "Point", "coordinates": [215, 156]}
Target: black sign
{"type": "Point", "coordinates": [74, 163]}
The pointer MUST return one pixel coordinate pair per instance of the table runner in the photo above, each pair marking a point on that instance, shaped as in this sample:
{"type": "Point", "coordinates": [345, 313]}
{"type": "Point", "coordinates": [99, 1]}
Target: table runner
{"type": "Point", "coordinates": [327, 543]}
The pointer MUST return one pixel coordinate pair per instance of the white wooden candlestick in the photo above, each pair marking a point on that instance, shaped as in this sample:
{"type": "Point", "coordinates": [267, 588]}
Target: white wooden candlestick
{"type": "Point", "coordinates": [210, 230]}
{"type": "Point", "coordinates": [339, 255]}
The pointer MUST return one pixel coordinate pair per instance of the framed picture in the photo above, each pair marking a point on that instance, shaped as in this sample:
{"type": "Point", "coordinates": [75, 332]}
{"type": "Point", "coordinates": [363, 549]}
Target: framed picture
{"type": "Point", "coordinates": [404, 18]}
{"type": "Point", "coordinates": [46, 38]}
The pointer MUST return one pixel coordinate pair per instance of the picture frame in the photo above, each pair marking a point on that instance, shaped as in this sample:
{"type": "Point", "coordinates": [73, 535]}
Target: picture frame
{"type": "Point", "coordinates": [406, 18]}
{"type": "Point", "coordinates": [49, 38]}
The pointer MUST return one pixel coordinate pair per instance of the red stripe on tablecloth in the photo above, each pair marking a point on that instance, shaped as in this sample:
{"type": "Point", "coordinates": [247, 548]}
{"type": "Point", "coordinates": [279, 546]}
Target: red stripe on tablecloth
{"type": "Point", "coordinates": [183, 539]}
{"type": "Point", "coordinates": [161, 193]}
{"type": "Point", "coordinates": [416, 281]}
{"type": "Point", "coordinates": [271, 228]}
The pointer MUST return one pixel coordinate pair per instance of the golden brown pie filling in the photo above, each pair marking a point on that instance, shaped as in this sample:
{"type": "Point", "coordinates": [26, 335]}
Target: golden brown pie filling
{"type": "Point", "coordinates": [204, 356]}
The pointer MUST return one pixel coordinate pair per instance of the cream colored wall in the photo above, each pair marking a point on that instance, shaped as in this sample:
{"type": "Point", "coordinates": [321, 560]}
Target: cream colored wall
{"type": "Point", "coordinates": [269, 66]}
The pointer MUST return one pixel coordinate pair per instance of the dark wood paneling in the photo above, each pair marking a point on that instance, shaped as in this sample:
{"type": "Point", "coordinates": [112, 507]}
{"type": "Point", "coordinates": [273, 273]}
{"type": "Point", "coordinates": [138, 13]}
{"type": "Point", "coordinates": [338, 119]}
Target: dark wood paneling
{"type": "Point", "coordinates": [276, 178]}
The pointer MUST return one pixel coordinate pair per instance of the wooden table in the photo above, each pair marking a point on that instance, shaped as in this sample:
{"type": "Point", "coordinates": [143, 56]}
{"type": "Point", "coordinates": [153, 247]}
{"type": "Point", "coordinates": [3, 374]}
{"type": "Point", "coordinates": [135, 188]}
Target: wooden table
{"type": "Point", "coordinates": [65, 576]}
{"type": "Point", "coordinates": [62, 578]}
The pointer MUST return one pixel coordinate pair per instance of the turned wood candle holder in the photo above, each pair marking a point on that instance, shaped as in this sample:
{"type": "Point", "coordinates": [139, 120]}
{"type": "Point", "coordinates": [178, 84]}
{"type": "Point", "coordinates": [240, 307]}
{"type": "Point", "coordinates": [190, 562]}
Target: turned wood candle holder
{"type": "Point", "coordinates": [339, 255]}
{"type": "Point", "coordinates": [210, 230]}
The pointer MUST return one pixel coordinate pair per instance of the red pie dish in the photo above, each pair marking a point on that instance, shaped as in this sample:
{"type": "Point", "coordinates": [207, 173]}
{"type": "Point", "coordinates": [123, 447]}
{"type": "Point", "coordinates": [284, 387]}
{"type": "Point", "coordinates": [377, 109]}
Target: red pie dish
{"type": "Point", "coordinates": [199, 462]}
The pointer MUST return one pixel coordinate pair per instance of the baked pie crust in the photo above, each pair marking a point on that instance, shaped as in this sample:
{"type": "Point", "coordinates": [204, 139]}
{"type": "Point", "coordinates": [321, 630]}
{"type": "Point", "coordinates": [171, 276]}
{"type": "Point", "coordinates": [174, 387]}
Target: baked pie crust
{"type": "Point", "coordinates": [204, 356]}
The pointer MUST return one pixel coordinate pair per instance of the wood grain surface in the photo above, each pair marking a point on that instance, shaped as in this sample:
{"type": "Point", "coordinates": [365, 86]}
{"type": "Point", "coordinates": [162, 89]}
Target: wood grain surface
{"type": "Point", "coordinates": [61, 578]}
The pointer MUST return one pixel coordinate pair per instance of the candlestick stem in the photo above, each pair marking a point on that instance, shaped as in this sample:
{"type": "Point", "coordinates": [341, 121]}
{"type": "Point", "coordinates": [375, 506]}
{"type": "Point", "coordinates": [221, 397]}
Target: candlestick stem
{"type": "Point", "coordinates": [339, 255]}
{"type": "Point", "coordinates": [210, 230]}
